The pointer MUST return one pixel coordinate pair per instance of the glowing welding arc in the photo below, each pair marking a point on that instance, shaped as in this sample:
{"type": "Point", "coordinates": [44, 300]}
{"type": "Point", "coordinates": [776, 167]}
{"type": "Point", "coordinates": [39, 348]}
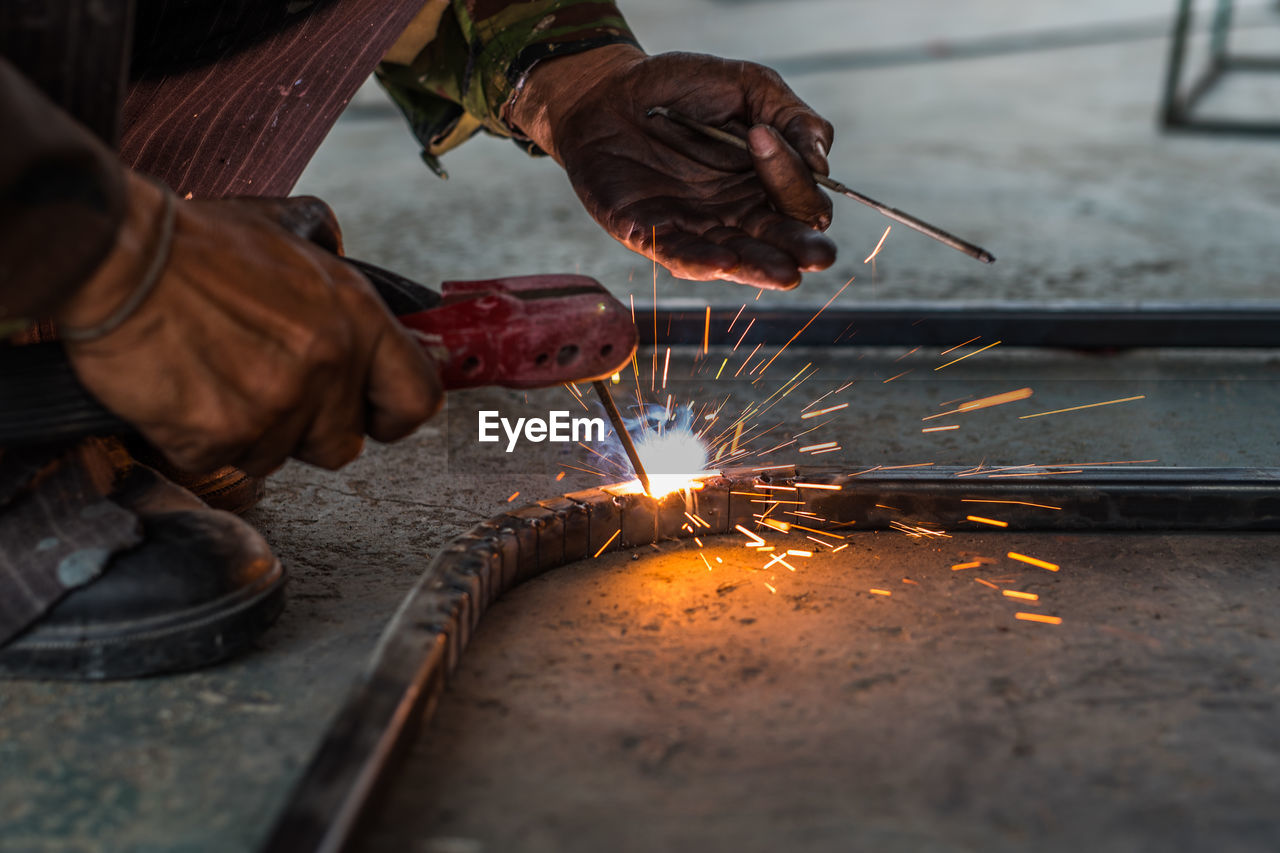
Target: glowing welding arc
{"type": "Point", "coordinates": [871, 257]}
{"type": "Point", "coordinates": [966, 355]}
{"type": "Point", "coordinates": [1033, 561]}
{"type": "Point", "coordinates": [1079, 408]}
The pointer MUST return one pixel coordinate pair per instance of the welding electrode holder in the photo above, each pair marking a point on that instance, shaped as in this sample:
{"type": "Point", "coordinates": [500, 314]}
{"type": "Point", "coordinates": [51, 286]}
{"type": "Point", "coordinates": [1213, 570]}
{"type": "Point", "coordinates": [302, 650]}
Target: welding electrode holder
{"type": "Point", "coordinates": [520, 332]}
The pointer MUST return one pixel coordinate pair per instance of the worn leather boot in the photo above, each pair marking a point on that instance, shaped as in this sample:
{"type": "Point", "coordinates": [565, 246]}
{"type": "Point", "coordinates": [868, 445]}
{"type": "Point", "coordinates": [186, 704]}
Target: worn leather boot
{"type": "Point", "coordinates": [202, 587]}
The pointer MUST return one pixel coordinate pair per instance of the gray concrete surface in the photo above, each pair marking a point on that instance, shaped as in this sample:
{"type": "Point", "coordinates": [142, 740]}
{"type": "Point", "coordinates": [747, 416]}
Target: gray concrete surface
{"type": "Point", "coordinates": [1051, 159]}
{"type": "Point", "coordinates": [655, 705]}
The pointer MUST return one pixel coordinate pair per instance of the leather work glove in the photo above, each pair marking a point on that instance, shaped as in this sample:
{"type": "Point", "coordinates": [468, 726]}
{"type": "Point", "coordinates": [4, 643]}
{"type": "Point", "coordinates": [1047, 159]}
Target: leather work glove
{"type": "Point", "coordinates": [255, 345]}
{"type": "Point", "coordinates": [716, 212]}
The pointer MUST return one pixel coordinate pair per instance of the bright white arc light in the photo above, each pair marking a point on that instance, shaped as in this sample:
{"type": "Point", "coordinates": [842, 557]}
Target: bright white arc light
{"type": "Point", "coordinates": [673, 459]}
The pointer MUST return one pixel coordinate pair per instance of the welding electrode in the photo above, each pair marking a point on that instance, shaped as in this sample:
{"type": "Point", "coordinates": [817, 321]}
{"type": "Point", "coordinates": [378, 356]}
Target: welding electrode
{"type": "Point", "coordinates": [615, 418]}
{"type": "Point", "coordinates": [835, 186]}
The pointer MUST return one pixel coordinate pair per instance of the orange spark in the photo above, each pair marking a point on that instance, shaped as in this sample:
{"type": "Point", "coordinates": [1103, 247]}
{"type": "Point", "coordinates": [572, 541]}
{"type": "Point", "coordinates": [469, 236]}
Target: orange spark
{"type": "Point", "coordinates": [871, 257]}
{"type": "Point", "coordinates": [966, 355]}
{"type": "Point", "coordinates": [808, 415]}
{"type": "Point", "coordinates": [792, 552]}
{"type": "Point", "coordinates": [826, 486]}
{"type": "Point", "coordinates": [1088, 406]}
{"type": "Point", "coordinates": [841, 548]}
{"type": "Point", "coordinates": [771, 587]}
{"type": "Point", "coordinates": [753, 537]}
{"type": "Point", "coordinates": [704, 559]}
{"type": "Point", "coordinates": [1025, 596]}
{"type": "Point", "coordinates": [899, 376]}
{"type": "Point", "coordinates": [706, 333]}
{"type": "Point", "coordinates": [744, 335]}
{"type": "Point", "coordinates": [985, 402]}
{"type": "Point", "coordinates": [778, 558]}
{"type": "Point", "coordinates": [941, 428]}
{"type": "Point", "coordinates": [980, 520]}
{"type": "Point", "coordinates": [961, 566]}
{"type": "Point", "coordinates": [735, 318]}
{"type": "Point", "coordinates": [1038, 617]}
{"type": "Point", "coordinates": [880, 592]}
{"type": "Point", "coordinates": [1018, 503]}
{"type": "Point", "coordinates": [1032, 561]}
{"type": "Point", "coordinates": [813, 447]}
{"type": "Point", "coordinates": [780, 526]}
{"type": "Point", "coordinates": [905, 354]}
{"type": "Point", "coordinates": [513, 497]}
{"type": "Point", "coordinates": [986, 583]}
{"type": "Point", "coordinates": [957, 346]}
{"type": "Point", "coordinates": [559, 476]}
{"type": "Point", "coordinates": [811, 319]}
{"type": "Point", "coordinates": [665, 365]}
{"type": "Point", "coordinates": [607, 543]}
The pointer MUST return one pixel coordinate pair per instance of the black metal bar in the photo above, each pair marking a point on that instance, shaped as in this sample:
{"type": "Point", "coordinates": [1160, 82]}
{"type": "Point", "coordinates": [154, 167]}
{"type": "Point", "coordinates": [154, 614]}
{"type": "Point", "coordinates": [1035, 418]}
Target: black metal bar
{"type": "Point", "coordinates": [1067, 326]}
{"type": "Point", "coordinates": [1173, 109]}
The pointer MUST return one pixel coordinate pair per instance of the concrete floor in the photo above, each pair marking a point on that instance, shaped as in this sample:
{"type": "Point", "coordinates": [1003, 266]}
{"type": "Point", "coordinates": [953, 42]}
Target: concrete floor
{"type": "Point", "coordinates": [656, 705]}
{"type": "Point", "coordinates": [1048, 158]}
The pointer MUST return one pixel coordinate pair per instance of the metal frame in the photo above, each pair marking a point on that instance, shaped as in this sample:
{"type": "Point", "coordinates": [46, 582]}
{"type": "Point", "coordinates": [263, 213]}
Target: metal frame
{"type": "Point", "coordinates": [1067, 325]}
{"type": "Point", "coordinates": [1178, 109]}
{"type": "Point", "coordinates": [421, 646]}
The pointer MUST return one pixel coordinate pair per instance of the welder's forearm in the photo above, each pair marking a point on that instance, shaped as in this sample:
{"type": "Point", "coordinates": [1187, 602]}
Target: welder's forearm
{"type": "Point", "coordinates": [61, 201]}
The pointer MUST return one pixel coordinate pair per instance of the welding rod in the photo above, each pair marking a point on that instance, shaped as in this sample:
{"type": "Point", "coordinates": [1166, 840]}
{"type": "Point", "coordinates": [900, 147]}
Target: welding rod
{"type": "Point", "coordinates": [892, 212]}
{"type": "Point", "coordinates": [615, 418]}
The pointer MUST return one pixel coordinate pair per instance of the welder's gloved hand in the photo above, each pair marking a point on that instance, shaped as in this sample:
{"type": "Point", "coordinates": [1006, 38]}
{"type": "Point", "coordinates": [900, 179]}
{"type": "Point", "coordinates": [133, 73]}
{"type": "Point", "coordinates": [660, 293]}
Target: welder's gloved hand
{"type": "Point", "coordinates": [718, 212]}
{"type": "Point", "coordinates": [255, 345]}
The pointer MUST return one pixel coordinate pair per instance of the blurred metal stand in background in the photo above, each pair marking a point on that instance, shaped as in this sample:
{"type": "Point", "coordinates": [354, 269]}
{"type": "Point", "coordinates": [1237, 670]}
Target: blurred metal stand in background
{"type": "Point", "coordinates": [1178, 111]}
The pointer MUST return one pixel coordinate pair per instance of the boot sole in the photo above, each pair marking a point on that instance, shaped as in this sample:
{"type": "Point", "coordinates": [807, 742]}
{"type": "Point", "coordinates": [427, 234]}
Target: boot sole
{"type": "Point", "coordinates": [177, 642]}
